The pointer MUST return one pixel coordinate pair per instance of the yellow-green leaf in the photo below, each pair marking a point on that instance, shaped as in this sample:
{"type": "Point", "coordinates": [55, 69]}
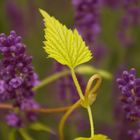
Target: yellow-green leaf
{"type": "Point", "coordinates": [100, 137]}
{"type": "Point", "coordinates": [64, 45]}
{"type": "Point", "coordinates": [82, 138]}
{"type": "Point", "coordinates": [95, 137]}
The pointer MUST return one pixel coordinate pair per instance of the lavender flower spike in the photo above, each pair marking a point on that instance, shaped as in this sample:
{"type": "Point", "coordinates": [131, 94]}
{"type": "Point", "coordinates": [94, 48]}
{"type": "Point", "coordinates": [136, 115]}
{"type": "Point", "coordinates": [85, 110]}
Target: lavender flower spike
{"type": "Point", "coordinates": [130, 97]}
{"type": "Point", "coordinates": [17, 76]}
{"type": "Point", "coordinates": [130, 89]}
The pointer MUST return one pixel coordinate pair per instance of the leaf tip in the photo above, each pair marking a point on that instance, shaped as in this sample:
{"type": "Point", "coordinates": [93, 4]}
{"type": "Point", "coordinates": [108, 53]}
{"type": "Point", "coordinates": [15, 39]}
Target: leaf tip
{"type": "Point", "coordinates": [43, 12]}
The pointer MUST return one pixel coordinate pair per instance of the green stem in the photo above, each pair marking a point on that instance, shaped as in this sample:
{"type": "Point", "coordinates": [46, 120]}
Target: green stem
{"type": "Point", "coordinates": [91, 120]}
{"type": "Point", "coordinates": [77, 85]}
{"type": "Point", "coordinates": [12, 134]}
{"type": "Point", "coordinates": [24, 134]}
{"type": "Point", "coordinates": [51, 79]}
{"type": "Point", "coordinates": [64, 118]}
{"type": "Point", "coordinates": [83, 98]}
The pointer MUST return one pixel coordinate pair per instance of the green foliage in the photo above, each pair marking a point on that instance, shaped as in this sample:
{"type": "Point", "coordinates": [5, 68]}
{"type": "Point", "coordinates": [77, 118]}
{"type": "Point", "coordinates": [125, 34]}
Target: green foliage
{"type": "Point", "coordinates": [82, 138]}
{"type": "Point", "coordinates": [87, 69]}
{"type": "Point", "coordinates": [12, 134]}
{"type": "Point", "coordinates": [100, 137]}
{"type": "Point", "coordinates": [95, 137]}
{"type": "Point", "coordinates": [25, 135]}
{"type": "Point", "coordinates": [64, 45]}
{"type": "Point", "coordinates": [41, 127]}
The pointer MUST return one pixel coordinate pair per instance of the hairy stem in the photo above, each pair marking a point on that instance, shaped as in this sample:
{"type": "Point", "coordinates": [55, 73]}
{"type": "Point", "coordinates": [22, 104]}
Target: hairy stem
{"type": "Point", "coordinates": [52, 110]}
{"type": "Point", "coordinates": [39, 110]}
{"type": "Point", "coordinates": [77, 85]}
{"type": "Point", "coordinates": [50, 79]}
{"type": "Point", "coordinates": [64, 118]}
{"type": "Point", "coordinates": [91, 120]}
{"type": "Point", "coordinates": [90, 90]}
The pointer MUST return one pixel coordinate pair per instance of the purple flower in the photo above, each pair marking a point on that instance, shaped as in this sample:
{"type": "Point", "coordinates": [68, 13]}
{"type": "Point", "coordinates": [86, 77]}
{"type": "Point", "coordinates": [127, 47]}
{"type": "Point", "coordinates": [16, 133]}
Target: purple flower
{"type": "Point", "coordinates": [88, 23]}
{"type": "Point", "coordinates": [129, 86]}
{"type": "Point", "coordinates": [17, 76]}
{"type": "Point", "coordinates": [113, 3]}
{"type": "Point", "coordinates": [13, 120]}
{"type": "Point", "coordinates": [134, 134]}
{"type": "Point", "coordinates": [28, 104]}
{"type": "Point", "coordinates": [31, 116]}
{"type": "Point", "coordinates": [87, 18]}
{"type": "Point", "coordinates": [2, 86]}
{"type": "Point", "coordinates": [15, 82]}
{"type": "Point", "coordinates": [15, 16]}
{"type": "Point", "coordinates": [130, 18]}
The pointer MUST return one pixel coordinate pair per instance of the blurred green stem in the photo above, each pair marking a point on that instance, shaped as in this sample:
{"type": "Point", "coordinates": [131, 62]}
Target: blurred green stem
{"type": "Point", "coordinates": [51, 79]}
{"type": "Point", "coordinates": [77, 85]}
{"type": "Point", "coordinates": [64, 118]}
{"type": "Point", "coordinates": [63, 73]}
{"type": "Point", "coordinates": [91, 121]}
{"type": "Point", "coordinates": [24, 134]}
{"type": "Point", "coordinates": [12, 134]}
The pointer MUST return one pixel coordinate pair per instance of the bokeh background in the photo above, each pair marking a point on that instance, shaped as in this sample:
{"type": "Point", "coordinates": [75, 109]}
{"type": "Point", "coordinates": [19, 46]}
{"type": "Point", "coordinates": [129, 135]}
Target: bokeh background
{"type": "Point", "coordinates": [23, 17]}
